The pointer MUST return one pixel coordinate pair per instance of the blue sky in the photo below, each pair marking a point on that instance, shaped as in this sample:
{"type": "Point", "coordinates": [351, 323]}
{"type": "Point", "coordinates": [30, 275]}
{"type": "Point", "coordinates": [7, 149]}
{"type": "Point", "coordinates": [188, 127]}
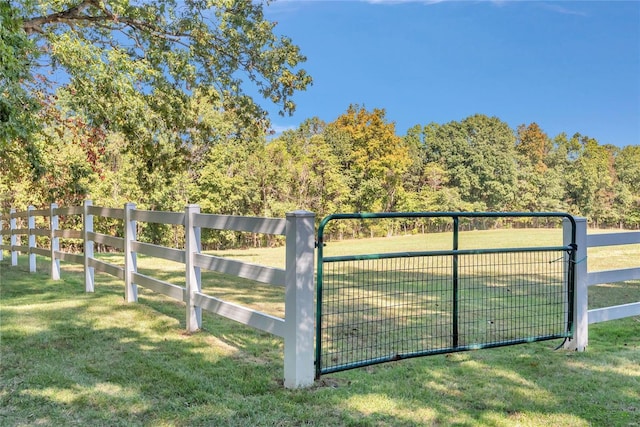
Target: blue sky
{"type": "Point", "coordinates": [568, 66]}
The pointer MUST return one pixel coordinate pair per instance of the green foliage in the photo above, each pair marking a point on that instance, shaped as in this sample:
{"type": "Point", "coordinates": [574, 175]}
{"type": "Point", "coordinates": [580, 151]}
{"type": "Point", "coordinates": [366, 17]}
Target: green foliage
{"type": "Point", "coordinates": [165, 79]}
{"type": "Point", "coordinates": [477, 155]}
{"type": "Point", "coordinates": [17, 104]}
{"type": "Point", "coordinates": [354, 163]}
{"type": "Point", "coordinates": [122, 54]}
{"type": "Point", "coordinates": [533, 145]}
{"type": "Point", "coordinates": [627, 166]}
{"type": "Point", "coordinates": [592, 177]}
{"type": "Point", "coordinates": [373, 157]}
{"type": "Point", "coordinates": [148, 102]}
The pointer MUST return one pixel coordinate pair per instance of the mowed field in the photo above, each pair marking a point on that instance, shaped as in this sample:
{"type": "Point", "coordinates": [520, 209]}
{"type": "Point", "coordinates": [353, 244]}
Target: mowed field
{"type": "Point", "coordinates": [72, 358]}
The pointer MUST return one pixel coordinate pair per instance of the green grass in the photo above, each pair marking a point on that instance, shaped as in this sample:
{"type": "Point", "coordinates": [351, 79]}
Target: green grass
{"type": "Point", "coordinates": [71, 358]}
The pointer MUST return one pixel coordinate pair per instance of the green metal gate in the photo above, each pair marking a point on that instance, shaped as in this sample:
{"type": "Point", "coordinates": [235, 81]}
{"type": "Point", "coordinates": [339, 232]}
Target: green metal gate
{"type": "Point", "coordinates": [375, 308]}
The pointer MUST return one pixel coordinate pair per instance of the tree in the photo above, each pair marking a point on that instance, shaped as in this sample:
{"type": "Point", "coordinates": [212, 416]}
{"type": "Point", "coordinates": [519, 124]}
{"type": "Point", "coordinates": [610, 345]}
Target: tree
{"type": "Point", "coordinates": [533, 145]}
{"type": "Point", "coordinates": [316, 180]}
{"type": "Point", "coordinates": [224, 183]}
{"type": "Point", "coordinates": [17, 105]}
{"type": "Point", "coordinates": [135, 68]}
{"type": "Point", "coordinates": [166, 78]}
{"type": "Point", "coordinates": [540, 187]}
{"type": "Point", "coordinates": [478, 157]}
{"type": "Point", "coordinates": [373, 156]}
{"type": "Point", "coordinates": [627, 165]}
{"type": "Point", "coordinates": [591, 178]}
{"type": "Point", "coordinates": [414, 176]}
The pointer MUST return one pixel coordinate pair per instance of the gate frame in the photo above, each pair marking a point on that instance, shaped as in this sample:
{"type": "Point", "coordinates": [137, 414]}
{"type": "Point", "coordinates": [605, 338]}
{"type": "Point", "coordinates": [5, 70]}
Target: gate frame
{"type": "Point", "coordinates": [569, 245]}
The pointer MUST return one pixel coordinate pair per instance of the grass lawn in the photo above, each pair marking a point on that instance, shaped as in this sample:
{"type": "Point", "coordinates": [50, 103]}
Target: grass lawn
{"type": "Point", "coordinates": [72, 358]}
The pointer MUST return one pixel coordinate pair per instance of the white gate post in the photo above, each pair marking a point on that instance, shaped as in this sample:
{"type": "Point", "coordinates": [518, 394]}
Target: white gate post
{"type": "Point", "coordinates": [54, 242]}
{"type": "Point", "coordinates": [31, 225]}
{"type": "Point", "coordinates": [130, 260]}
{"type": "Point", "coordinates": [13, 239]}
{"type": "Point", "coordinates": [580, 292]}
{"type": "Point", "coordinates": [192, 246]}
{"type": "Point", "coordinates": [87, 227]}
{"type": "Point", "coordinates": [299, 300]}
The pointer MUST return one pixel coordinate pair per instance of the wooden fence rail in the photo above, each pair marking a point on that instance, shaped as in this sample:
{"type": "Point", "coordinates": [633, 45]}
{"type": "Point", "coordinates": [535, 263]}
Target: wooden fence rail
{"type": "Point", "coordinates": [296, 328]}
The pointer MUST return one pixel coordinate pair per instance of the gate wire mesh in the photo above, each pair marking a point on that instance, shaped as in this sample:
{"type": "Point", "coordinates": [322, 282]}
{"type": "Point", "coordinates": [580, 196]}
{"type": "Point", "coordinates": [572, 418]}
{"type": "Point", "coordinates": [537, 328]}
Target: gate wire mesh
{"type": "Point", "coordinates": [377, 310]}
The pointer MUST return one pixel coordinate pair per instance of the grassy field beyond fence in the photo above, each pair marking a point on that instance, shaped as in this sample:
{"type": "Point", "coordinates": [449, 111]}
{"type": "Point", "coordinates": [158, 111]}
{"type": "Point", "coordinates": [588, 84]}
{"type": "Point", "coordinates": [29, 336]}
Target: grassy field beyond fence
{"type": "Point", "coordinates": [72, 358]}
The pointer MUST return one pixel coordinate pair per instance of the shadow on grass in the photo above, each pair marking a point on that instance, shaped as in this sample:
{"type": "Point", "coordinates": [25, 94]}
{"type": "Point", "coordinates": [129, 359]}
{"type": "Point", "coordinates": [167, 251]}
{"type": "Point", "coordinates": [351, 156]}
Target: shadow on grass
{"type": "Point", "coordinates": [610, 294]}
{"type": "Point", "coordinates": [71, 358]}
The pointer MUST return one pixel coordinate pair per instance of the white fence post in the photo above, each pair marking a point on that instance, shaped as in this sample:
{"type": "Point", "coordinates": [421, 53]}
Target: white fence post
{"type": "Point", "coordinates": [1, 239]}
{"type": "Point", "coordinates": [299, 300]}
{"type": "Point", "coordinates": [54, 242]}
{"type": "Point", "coordinates": [87, 227]}
{"type": "Point", "coordinates": [130, 260]}
{"type": "Point", "coordinates": [580, 292]}
{"type": "Point", "coordinates": [13, 240]}
{"type": "Point", "coordinates": [192, 246]}
{"type": "Point", "coordinates": [31, 225]}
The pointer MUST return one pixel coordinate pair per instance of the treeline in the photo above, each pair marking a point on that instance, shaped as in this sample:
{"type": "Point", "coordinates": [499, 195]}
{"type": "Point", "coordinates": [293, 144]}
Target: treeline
{"type": "Point", "coordinates": [150, 102]}
{"type": "Point", "coordinates": [356, 163]}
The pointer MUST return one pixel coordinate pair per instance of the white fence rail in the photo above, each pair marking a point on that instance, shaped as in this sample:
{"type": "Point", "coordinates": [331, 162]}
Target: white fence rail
{"type": "Point", "coordinates": [582, 316]}
{"type": "Point", "coordinates": [297, 327]}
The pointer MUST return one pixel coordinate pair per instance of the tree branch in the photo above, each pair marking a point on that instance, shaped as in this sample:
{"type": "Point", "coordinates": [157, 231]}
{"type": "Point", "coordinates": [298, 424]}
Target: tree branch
{"type": "Point", "coordinates": [77, 14]}
{"type": "Point", "coordinates": [74, 14]}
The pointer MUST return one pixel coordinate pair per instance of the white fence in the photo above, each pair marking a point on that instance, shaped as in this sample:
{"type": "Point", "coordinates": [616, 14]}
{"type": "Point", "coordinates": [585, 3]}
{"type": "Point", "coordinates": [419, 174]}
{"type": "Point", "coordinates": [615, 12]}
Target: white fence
{"type": "Point", "coordinates": [297, 327]}
{"type": "Point", "coordinates": [582, 316]}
